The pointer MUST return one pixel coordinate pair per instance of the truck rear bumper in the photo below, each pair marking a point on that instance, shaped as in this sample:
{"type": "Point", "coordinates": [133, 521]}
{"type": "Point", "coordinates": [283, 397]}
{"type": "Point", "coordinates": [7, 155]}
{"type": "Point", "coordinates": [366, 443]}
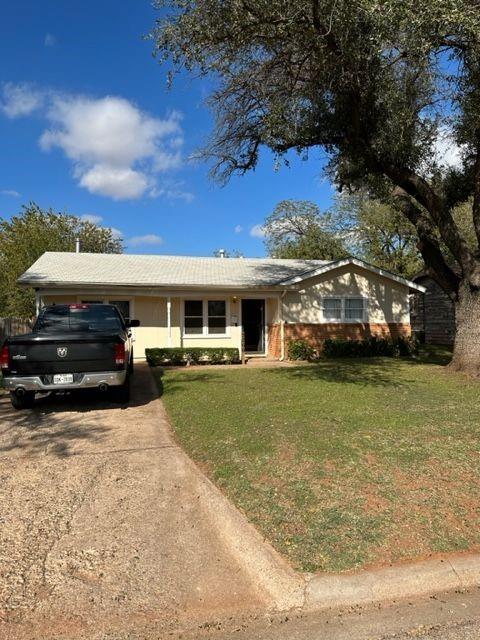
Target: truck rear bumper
{"type": "Point", "coordinates": [84, 381]}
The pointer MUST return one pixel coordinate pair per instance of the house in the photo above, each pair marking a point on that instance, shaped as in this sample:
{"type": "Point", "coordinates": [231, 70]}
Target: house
{"type": "Point", "coordinates": [189, 301]}
{"type": "Point", "coordinates": [432, 313]}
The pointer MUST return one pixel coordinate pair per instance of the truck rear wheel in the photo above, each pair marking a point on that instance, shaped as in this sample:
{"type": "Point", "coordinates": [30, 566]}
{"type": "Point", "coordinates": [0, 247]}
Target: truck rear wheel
{"type": "Point", "coordinates": [25, 401]}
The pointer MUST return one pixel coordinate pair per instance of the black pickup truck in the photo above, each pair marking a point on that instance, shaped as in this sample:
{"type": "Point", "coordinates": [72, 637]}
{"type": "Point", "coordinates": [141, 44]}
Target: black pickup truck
{"type": "Point", "coordinates": [73, 346]}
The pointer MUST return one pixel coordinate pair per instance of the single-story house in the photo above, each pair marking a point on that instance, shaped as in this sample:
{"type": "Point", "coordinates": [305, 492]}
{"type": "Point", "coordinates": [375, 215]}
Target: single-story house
{"type": "Point", "coordinates": [191, 301]}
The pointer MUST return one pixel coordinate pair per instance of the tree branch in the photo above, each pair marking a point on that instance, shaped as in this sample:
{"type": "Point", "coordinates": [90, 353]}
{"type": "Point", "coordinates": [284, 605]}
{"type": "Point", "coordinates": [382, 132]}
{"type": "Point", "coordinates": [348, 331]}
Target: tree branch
{"type": "Point", "coordinates": [437, 267]}
{"type": "Point", "coordinates": [419, 189]}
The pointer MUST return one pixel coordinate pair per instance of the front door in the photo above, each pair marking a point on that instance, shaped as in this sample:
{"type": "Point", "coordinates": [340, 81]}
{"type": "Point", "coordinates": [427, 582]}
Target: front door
{"type": "Point", "coordinates": [253, 323]}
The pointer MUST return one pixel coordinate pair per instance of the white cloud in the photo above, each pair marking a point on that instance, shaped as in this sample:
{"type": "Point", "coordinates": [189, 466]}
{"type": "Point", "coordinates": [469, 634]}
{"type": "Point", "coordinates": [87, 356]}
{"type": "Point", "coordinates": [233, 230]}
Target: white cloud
{"type": "Point", "coordinates": [10, 192]}
{"type": "Point", "coordinates": [20, 99]}
{"type": "Point", "coordinates": [257, 231]}
{"type": "Point", "coordinates": [447, 151]}
{"type": "Point", "coordinates": [117, 149]}
{"type": "Point", "coordinates": [91, 217]}
{"type": "Point", "coordinates": [238, 228]}
{"type": "Point", "coordinates": [50, 40]}
{"type": "Point", "coordinates": [149, 238]}
{"type": "Point", "coordinates": [117, 183]}
{"type": "Point", "coordinates": [116, 233]}
{"type": "Point", "coordinates": [172, 192]}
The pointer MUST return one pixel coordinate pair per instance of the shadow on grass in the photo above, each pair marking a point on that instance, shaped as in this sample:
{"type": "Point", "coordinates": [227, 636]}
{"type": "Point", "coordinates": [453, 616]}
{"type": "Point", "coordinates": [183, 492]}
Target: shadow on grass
{"type": "Point", "coordinates": [181, 378]}
{"type": "Point", "coordinates": [364, 372]}
{"type": "Point", "coordinates": [359, 371]}
{"type": "Point", "coordinates": [434, 354]}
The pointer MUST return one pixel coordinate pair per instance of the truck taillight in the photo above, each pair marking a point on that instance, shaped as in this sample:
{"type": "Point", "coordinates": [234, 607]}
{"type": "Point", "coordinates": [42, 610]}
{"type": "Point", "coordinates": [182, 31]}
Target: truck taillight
{"type": "Point", "coordinates": [120, 353]}
{"type": "Point", "coordinates": [4, 358]}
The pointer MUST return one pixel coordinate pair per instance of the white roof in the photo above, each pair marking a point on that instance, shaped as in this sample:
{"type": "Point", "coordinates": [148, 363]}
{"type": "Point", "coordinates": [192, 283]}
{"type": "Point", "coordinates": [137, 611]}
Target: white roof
{"type": "Point", "coordinates": [62, 269]}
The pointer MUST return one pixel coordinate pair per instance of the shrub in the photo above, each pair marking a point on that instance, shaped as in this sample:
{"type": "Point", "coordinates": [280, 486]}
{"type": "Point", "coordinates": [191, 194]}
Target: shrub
{"type": "Point", "coordinates": [300, 350]}
{"type": "Point", "coordinates": [191, 355]}
{"type": "Point", "coordinates": [370, 347]}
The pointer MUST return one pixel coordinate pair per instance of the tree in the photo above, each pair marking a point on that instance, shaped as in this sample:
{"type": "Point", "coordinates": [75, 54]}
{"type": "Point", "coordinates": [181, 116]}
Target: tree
{"type": "Point", "coordinates": [25, 237]}
{"type": "Point", "coordinates": [377, 85]}
{"type": "Point", "coordinates": [296, 229]}
{"type": "Point", "coordinates": [378, 233]}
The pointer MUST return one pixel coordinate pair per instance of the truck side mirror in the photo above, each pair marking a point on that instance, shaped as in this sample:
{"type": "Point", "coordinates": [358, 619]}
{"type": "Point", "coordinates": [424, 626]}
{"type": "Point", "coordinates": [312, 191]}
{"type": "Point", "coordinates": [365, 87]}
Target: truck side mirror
{"type": "Point", "coordinates": [132, 323]}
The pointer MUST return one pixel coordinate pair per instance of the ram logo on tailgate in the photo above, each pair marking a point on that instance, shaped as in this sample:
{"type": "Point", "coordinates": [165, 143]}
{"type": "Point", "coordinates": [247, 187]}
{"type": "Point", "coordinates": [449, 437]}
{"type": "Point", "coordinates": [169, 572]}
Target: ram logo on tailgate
{"type": "Point", "coordinates": [62, 352]}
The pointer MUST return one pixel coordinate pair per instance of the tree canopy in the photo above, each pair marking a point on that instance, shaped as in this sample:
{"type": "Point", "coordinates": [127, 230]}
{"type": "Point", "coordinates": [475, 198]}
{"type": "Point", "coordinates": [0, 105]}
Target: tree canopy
{"type": "Point", "coordinates": [25, 237]}
{"type": "Point", "coordinates": [375, 83]}
{"type": "Point", "coordinates": [378, 233]}
{"type": "Point", "coordinates": [296, 229]}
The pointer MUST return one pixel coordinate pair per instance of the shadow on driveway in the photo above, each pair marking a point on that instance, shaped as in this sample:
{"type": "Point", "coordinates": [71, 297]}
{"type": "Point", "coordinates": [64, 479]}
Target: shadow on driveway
{"type": "Point", "coordinates": [60, 421]}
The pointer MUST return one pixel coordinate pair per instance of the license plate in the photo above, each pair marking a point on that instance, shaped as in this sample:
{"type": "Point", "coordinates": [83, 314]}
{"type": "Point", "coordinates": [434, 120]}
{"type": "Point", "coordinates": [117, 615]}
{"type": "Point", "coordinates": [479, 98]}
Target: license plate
{"type": "Point", "coordinates": [63, 378]}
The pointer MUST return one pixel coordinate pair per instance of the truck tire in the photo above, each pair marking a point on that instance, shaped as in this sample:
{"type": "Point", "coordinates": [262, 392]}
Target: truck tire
{"type": "Point", "coordinates": [130, 365]}
{"type": "Point", "coordinates": [23, 402]}
{"type": "Point", "coordinates": [121, 394]}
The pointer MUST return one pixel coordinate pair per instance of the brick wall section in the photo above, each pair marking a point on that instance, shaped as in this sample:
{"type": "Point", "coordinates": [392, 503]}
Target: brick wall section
{"type": "Point", "coordinates": [315, 334]}
{"type": "Point", "coordinates": [274, 341]}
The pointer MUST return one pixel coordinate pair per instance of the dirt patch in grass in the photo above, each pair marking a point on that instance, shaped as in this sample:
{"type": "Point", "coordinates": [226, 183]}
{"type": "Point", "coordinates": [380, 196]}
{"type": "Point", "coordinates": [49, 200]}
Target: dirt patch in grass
{"type": "Point", "coordinates": [343, 464]}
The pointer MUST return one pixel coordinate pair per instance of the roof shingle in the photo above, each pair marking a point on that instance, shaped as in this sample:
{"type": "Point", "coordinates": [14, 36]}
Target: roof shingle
{"type": "Point", "coordinates": [61, 268]}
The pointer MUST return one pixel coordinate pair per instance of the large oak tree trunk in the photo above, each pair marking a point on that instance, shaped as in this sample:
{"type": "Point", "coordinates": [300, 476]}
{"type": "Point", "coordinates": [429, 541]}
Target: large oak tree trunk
{"type": "Point", "coordinates": [466, 350]}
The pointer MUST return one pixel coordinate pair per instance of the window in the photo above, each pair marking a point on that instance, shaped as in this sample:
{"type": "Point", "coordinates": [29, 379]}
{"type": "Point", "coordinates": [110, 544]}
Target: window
{"type": "Point", "coordinates": [79, 318]}
{"type": "Point", "coordinates": [217, 316]}
{"type": "Point", "coordinates": [205, 318]}
{"type": "Point", "coordinates": [193, 321]}
{"type": "Point", "coordinates": [354, 309]}
{"type": "Point", "coordinates": [332, 308]}
{"type": "Point", "coordinates": [345, 309]}
{"type": "Point", "coordinates": [123, 306]}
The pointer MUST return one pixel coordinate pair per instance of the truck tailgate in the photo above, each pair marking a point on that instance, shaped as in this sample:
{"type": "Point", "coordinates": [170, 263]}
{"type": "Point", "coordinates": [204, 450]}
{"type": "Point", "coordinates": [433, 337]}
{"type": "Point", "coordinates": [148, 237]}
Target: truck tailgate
{"type": "Point", "coordinates": [70, 353]}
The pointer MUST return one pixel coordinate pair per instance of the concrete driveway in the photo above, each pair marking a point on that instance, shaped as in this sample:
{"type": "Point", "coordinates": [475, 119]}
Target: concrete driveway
{"type": "Point", "coordinates": [108, 530]}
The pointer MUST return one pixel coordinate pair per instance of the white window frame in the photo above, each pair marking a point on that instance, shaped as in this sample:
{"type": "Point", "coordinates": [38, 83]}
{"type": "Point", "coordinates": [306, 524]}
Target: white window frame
{"type": "Point", "coordinates": [205, 335]}
{"type": "Point", "coordinates": [342, 319]}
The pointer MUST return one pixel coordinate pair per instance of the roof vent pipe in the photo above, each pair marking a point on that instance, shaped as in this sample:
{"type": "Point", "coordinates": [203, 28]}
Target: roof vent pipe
{"type": "Point", "coordinates": [78, 245]}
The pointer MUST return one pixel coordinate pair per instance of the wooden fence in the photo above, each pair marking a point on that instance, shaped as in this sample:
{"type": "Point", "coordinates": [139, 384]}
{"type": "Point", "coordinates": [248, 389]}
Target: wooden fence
{"type": "Point", "coordinates": [13, 326]}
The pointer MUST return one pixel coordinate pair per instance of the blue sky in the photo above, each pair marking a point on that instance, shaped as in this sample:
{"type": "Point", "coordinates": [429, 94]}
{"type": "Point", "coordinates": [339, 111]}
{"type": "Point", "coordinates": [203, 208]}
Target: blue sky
{"type": "Point", "coordinates": [88, 126]}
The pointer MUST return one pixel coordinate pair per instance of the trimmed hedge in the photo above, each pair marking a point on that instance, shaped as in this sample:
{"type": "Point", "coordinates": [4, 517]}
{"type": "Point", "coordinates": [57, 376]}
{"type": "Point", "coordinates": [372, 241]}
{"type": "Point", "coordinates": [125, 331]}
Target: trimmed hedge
{"type": "Point", "coordinates": [300, 350]}
{"type": "Point", "coordinates": [193, 355]}
{"type": "Point", "coordinates": [370, 347]}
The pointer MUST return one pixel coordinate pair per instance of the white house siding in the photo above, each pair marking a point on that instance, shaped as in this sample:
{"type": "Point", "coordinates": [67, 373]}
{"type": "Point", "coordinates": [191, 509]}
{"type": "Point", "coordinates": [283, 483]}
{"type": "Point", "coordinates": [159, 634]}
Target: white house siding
{"type": "Point", "coordinates": [388, 300]}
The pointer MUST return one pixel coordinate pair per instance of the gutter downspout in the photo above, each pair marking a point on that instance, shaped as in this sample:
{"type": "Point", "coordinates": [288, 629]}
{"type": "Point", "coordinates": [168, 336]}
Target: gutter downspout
{"type": "Point", "coordinates": [282, 326]}
{"type": "Point", "coordinates": [169, 321]}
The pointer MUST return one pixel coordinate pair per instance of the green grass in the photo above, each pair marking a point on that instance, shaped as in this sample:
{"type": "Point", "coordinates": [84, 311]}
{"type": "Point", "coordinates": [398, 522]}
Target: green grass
{"type": "Point", "coordinates": [341, 464]}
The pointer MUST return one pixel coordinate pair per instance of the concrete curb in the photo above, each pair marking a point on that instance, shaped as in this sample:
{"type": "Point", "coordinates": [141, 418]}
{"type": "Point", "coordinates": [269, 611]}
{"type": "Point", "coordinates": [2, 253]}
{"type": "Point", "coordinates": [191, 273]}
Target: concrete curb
{"type": "Point", "coordinates": [392, 583]}
{"type": "Point", "coordinates": [288, 589]}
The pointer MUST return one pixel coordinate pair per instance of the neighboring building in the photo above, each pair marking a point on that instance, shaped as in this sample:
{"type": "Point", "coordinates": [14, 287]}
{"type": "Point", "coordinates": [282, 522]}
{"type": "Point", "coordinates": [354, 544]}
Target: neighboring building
{"type": "Point", "coordinates": [187, 301]}
{"type": "Point", "coordinates": [432, 313]}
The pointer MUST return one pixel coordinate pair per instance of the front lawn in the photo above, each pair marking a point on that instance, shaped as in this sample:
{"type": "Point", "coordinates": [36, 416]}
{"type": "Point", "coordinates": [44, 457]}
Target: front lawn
{"type": "Point", "coordinates": [341, 464]}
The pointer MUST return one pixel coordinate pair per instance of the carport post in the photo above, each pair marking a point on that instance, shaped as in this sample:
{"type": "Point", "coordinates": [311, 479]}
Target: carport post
{"type": "Point", "coordinates": [169, 321]}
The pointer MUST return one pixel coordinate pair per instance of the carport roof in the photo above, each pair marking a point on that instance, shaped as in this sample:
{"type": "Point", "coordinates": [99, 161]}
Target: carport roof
{"type": "Point", "coordinates": [62, 269]}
